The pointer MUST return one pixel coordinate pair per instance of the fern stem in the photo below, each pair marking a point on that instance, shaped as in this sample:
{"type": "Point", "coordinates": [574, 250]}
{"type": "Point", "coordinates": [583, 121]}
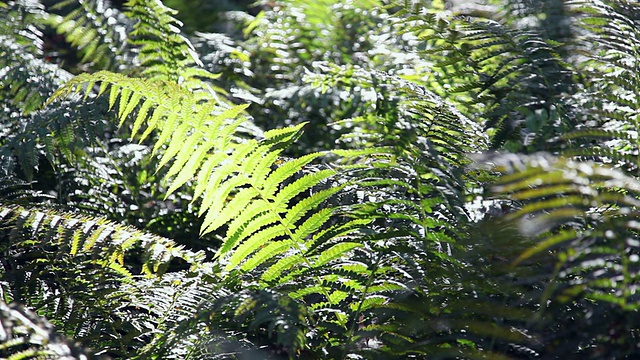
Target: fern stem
{"type": "Point", "coordinates": [354, 322]}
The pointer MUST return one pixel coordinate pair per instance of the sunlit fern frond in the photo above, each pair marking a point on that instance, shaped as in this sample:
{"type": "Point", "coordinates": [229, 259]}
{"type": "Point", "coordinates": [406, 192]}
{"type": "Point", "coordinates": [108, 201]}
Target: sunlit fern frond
{"type": "Point", "coordinates": [239, 183]}
{"type": "Point", "coordinates": [107, 242]}
{"type": "Point", "coordinates": [586, 216]}
{"type": "Point", "coordinates": [279, 227]}
{"type": "Point", "coordinates": [174, 113]}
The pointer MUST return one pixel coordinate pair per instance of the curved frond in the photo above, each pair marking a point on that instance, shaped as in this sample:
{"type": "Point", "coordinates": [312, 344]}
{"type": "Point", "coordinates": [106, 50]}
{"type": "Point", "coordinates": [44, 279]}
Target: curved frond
{"type": "Point", "coordinates": [585, 216]}
{"type": "Point", "coordinates": [96, 29]}
{"type": "Point", "coordinates": [24, 334]}
{"type": "Point", "coordinates": [512, 78]}
{"type": "Point", "coordinates": [98, 282]}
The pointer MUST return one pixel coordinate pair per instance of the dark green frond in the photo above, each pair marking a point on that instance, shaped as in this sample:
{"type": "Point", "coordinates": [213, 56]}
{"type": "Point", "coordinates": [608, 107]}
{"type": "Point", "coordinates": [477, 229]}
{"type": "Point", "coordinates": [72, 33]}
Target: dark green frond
{"type": "Point", "coordinates": [511, 78]}
{"type": "Point", "coordinates": [25, 335]}
{"type": "Point", "coordinates": [609, 105]}
{"type": "Point", "coordinates": [27, 81]}
{"type": "Point", "coordinates": [585, 215]}
{"type": "Point", "coordinates": [96, 29]}
{"type": "Point", "coordinates": [272, 318]}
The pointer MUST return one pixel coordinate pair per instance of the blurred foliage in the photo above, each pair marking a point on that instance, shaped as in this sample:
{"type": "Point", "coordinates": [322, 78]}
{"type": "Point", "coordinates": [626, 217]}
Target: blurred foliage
{"type": "Point", "coordinates": [360, 179]}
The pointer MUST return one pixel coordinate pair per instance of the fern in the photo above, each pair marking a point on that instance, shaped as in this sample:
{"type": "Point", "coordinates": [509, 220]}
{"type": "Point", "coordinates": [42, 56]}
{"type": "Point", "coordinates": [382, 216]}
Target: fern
{"type": "Point", "coordinates": [369, 250]}
{"type": "Point", "coordinates": [201, 147]}
{"type": "Point", "coordinates": [164, 53]}
{"type": "Point", "coordinates": [511, 78]}
{"type": "Point", "coordinates": [584, 214]}
{"type": "Point", "coordinates": [410, 182]}
{"type": "Point", "coordinates": [609, 102]}
{"type": "Point", "coordinates": [18, 69]}
{"type": "Point", "coordinates": [96, 30]}
{"type": "Point", "coordinates": [26, 335]}
{"type": "Point", "coordinates": [98, 284]}
{"type": "Point", "coordinates": [239, 183]}
{"type": "Point", "coordinates": [213, 332]}
{"type": "Point", "coordinates": [31, 133]}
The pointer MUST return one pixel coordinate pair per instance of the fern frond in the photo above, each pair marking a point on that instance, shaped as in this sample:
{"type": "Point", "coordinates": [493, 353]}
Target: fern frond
{"type": "Point", "coordinates": [273, 317]}
{"type": "Point", "coordinates": [54, 133]}
{"type": "Point", "coordinates": [26, 335]}
{"type": "Point", "coordinates": [106, 277]}
{"type": "Point", "coordinates": [170, 107]}
{"type": "Point", "coordinates": [165, 54]}
{"type": "Point", "coordinates": [241, 184]}
{"type": "Point", "coordinates": [498, 72]}
{"type": "Point", "coordinates": [609, 105]}
{"type": "Point", "coordinates": [103, 239]}
{"type": "Point", "coordinates": [594, 205]}
{"type": "Point", "coordinates": [96, 29]}
{"type": "Point", "coordinates": [18, 69]}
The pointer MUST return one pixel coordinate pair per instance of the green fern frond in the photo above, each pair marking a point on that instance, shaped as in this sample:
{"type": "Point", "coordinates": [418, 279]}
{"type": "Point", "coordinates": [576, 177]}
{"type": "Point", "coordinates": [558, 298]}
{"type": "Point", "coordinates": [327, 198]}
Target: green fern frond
{"type": "Point", "coordinates": [106, 241]}
{"type": "Point", "coordinates": [19, 67]}
{"type": "Point", "coordinates": [240, 183]}
{"type": "Point", "coordinates": [497, 72]}
{"type": "Point", "coordinates": [109, 283]}
{"type": "Point", "coordinates": [25, 335]}
{"type": "Point", "coordinates": [273, 317]}
{"type": "Point", "coordinates": [165, 54]}
{"type": "Point", "coordinates": [609, 105]}
{"type": "Point", "coordinates": [591, 205]}
{"type": "Point", "coordinates": [169, 106]}
{"type": "Point", "coordinates": [96, 29]}
{"type": "Point", "coordinates": [36, 132]}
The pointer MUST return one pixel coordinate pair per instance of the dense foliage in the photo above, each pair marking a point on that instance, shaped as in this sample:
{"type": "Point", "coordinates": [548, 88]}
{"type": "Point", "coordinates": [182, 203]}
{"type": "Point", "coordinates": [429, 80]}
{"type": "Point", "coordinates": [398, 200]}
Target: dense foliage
{"type": "Point", "coordinates": [360, 179]}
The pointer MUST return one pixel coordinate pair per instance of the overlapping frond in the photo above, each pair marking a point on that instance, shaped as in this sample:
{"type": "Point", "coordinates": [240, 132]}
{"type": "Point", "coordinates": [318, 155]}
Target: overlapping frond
{"type": "Point", "coordinates": [25, 335]}
{"type": "Point", "coordinates": [585, 216]}
{"type": "Point", "coordinates": [511, 78]}
{"type": "Point", "coordinates": [365, 251]}
{"type": "Point", "coordinates": [96, 30]}
{"type": "Point", "coordinates": [97, 285]}
{"type": "Point", "coordinates": [19, 70]}
{"type": "Point", "coordinates": [240, 184]}
{"type": "Point", "coordinates": [30, 133]}
{"type": "Point", "coordinates": [273, 318]}
{"type": "Point", "coordinates": [409, 185]}
{"type": "Point", "coordinates": [106, 241]}
{"type": "Point", "coordinates": [610, 102]}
